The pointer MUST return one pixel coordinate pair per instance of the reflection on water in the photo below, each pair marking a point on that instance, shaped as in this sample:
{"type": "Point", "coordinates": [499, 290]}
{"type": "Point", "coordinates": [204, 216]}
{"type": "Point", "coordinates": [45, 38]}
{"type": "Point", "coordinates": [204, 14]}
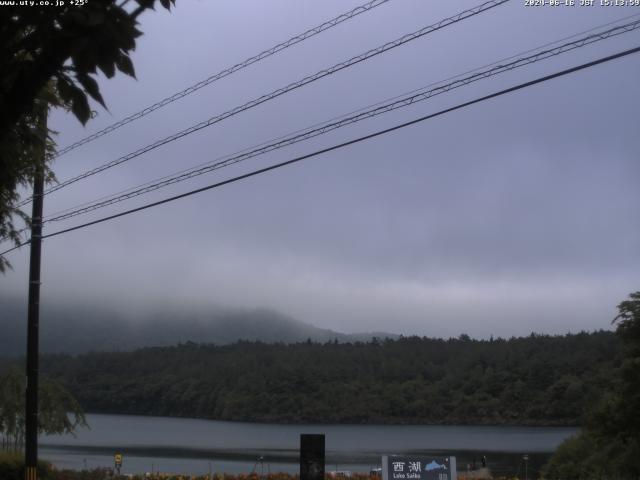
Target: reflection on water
{"type": "Point", "coordinates": [199, 446]}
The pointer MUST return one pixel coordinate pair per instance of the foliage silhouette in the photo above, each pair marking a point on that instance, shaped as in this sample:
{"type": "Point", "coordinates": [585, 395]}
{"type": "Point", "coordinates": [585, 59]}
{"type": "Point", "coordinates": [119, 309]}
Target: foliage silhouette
{"type": "Point", "coordinates": [536, 380]}
{"type": "Point", "coordinates": [58, 411]}
{"type": "Point", "coordinates": [609, 444]}
{"type": "Point", "coordinates": [52, 55]}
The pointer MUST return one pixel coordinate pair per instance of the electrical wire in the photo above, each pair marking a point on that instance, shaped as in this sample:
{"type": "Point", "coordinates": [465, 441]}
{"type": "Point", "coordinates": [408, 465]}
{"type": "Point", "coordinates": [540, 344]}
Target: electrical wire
{"type": "Point", "coordinates": [292, 86]}
{"type": "Point", "coordinates": [327, 127]}
{"type": "Point", "coordinates": [226, 72]}
{"type": "Point", "coordinates": [344, 144]}
{"type": "Point", "coordinates": [381, 102]}
{"type": "Point", "coordinates": [254, 150]}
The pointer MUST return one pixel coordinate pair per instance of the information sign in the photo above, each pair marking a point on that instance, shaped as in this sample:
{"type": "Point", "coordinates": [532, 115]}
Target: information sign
{"type": "Point", "coordinates": [418, 467]}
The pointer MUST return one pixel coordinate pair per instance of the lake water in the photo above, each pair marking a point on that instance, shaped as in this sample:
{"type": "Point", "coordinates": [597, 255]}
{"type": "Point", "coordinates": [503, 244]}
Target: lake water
{"type": "Point", "coordinates": [192, 446]}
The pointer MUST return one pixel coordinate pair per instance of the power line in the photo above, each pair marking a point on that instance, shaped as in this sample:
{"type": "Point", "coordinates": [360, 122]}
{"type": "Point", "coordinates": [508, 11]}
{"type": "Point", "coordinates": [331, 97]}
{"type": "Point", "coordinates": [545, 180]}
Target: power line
{"type": "Point", "coordinates": [131, 190]}
{"type": "Point", "coordinates": [292, 86]}
{"type": "Point", "coordinates": [327, 127]}
{"type": "Point", "coordinates": [344, 144]}
{"type": "Point", "coordinates": [362, 109]}
{"type": "Point", "coordinates": [227, 71]}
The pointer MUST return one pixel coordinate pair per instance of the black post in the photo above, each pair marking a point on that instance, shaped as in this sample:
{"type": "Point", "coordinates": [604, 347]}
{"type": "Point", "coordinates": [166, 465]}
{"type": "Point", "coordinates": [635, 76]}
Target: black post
{"type": "Point", "coordinates": [312, 457]}
{"type": "Point", "coordinates": [33, 319]}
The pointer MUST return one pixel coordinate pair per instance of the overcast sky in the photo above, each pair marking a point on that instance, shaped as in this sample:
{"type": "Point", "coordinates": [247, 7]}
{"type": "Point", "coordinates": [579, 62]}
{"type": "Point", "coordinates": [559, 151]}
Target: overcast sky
{"type": "Point", "coordinates": [518, 214]}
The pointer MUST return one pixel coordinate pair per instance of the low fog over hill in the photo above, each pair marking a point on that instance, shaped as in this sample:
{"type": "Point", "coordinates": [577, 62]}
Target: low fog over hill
{"type": "Point", "coordinates": [77, 329]}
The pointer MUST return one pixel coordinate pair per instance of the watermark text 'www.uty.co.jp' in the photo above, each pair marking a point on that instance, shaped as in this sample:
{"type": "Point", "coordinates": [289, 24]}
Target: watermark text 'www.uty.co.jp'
{"type": "Point", "coordinates": [43, 3]}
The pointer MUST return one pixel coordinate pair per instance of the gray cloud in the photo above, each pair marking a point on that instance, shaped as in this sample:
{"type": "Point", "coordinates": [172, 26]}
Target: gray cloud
{"type": "Point", "coordinates": [510, 216]}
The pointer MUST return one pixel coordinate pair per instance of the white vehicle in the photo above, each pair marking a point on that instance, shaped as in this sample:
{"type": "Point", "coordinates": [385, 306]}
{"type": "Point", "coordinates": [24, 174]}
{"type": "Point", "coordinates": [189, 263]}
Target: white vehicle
{"type": "Point", "coordinates": [340, 474]}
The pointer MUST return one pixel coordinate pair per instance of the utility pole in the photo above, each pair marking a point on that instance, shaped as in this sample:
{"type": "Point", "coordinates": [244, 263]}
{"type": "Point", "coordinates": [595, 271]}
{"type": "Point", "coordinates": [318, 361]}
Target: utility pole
{"type": "Point", "coordinates": [33, 317]}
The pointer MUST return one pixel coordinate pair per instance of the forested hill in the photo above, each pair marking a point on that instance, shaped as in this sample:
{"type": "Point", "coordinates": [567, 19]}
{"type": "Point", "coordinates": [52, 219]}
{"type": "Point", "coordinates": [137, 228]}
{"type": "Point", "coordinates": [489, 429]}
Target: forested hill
{"type": "Point", "coordinates": [536, 380]}
{"type": "Point", "coordinates": [78, 328]}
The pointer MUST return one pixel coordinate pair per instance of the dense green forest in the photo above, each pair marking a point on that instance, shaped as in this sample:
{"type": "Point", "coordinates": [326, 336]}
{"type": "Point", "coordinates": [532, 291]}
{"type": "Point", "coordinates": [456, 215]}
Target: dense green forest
{"type": "Point", "coordinates": [536, 380]}
{"type": "Point", "coordinates": [608, 445]}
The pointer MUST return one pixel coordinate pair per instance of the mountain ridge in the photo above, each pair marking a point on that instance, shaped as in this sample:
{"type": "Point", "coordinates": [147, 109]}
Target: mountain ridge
{"type": "Point", "coordinates": [76, 329]}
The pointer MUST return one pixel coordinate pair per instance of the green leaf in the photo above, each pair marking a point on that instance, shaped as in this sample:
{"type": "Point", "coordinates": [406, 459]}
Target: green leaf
{"type": "Point", "coordinates": [83, 57]}
{"type": "Point", "coordinates": [125, 65]}
{"type": "Point", "coordinates": [146, 3]}
{"type": "Point", "coordinates": [80, 105]}
{"type": "Point", "coordinates": [65, 88]}
{"type": "Point", "coordinates": [96, 17]}
{"type": "Point", "coordinates": [107, 67]}
{"type": "Point", "coordinates": [91, 87]}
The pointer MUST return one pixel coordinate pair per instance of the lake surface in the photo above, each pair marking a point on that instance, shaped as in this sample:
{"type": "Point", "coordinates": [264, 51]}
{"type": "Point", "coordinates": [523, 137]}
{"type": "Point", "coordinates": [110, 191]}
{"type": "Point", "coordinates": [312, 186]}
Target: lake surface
{"type": "Point", "coordinates": [179, 445]}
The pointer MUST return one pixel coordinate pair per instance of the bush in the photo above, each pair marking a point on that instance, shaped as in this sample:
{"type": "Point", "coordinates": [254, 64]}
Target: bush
{"type": "Point", "coordinates": [12, 468]}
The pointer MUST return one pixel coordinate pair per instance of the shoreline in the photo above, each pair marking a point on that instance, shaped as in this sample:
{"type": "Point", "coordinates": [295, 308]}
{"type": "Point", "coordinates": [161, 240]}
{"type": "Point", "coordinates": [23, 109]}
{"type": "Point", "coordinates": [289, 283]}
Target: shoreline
{"type": "Point", "coordinates": [359, 424]}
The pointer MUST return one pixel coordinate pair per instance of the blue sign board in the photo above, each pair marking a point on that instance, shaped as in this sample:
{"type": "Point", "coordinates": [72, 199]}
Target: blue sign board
{"type": "Point", "coordinates": [418, 468]}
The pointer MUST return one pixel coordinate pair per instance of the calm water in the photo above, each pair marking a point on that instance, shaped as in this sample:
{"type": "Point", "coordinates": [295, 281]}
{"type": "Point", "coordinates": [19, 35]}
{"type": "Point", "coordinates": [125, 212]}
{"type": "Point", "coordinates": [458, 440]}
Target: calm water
{"type": "Point", "coordinates": [195, 446]}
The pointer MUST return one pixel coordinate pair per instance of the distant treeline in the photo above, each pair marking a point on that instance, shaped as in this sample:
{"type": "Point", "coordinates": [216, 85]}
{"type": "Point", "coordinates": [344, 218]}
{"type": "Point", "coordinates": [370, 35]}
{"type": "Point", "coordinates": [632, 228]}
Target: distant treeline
{"type": "Point", "coordinates": [535, 380]}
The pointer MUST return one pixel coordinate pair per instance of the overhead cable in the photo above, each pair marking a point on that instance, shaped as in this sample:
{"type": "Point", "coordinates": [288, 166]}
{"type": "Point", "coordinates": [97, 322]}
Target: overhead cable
{"type": "Point", "coordinates": [226, 72]}
{"type": "Point", "coordinates": [362, 109]}
{"type": "Point", "coordinates": [281, 91]}
{"type": "Point", "coordinates": [328, 127]}
{"type": "Point", "coordinates": [342, 145]}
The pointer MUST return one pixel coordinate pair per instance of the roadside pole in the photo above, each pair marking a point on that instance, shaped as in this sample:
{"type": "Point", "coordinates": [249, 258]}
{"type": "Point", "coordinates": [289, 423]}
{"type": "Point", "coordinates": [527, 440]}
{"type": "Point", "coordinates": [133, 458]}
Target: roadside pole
{"type": "Point", "coordinates": [33, 316]}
